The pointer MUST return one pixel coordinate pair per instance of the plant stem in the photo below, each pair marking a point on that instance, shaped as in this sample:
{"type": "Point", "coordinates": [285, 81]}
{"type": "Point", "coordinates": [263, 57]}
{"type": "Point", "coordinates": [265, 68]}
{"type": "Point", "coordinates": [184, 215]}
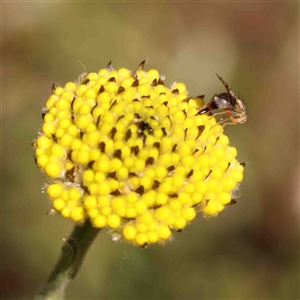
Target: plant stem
{"type": "Point", "coordinates": [69, 262]}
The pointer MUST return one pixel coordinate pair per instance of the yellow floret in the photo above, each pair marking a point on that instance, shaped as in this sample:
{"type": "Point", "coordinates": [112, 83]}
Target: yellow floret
{"type": "Point", "coordinates": [92, 76]}
{"type": "Point", "coordinates": [75, 144]}
{"type": "Point", "coordinates": [90, 202]}
{"type": "Point", "coordinates": [53, 170]}
{"type": "Point", "coordinates": [50, 102]}
{"type": "Point", "coordinates": [62, 104]}
{"type": "Point", "coordinates": [99, 221]}
{"type": "Point", "coordinates": [54, 190]}
{"type": "Point", "coordinates": [58, 150]}
{"type": "Point", "coordinates": [64, 195]}
{"type": "Point", "coordinates": [164, 232]}
{"type": "Point", "coordinates": [70, 86]}
{"type": "Point", "coordinates": [122, 173]}
{"type": "Point", "coordinates": [130, 213]}
{"type": "Point", "coordinates": [66, 140]}
{"type": "Point", "coordinates": [42, 160]}
{"type": "Point", "coordinates": [104, 201]}
{"type": "Point", "coordinates": [129, 232]}
{"type": "Point", "coordinates": [74, 194]}
{"type": "Point", "coordinates": [224, 197]}
{"type": "Point", "coordinates": [113, 221]}
{"type": "Point", "coordinates": [77, 214]}
{"type": "Point", "coordinates": [162, 213]}
{"type": "Point", "coordinates": [58, 204]}
{"type": "Point", "coordinates": [123, 73]}
{"type": "Point", "coordinates": [83, 121]}
{"type": "Point", "coordinates": [83, 157]}
{"type": "Point", "coordinates": [44, 142]}
{"type": "Point", "coordinates": [93, 213]}
{"type": "Point", "coordinates": [141, 239]}
{"type": "Point", "coordinates": [237, 175]}
{"type": "Point", "coordinates": [99, 177]}
{"type": "Point", "coordinates": [104, 188]}
{"type": "Point", "coordinates": [189, 213]}
{"type": "Point", "coordinates": [69, 165]}
{"type": "Point", "coordinates": [65, 212]}
{"type": "Point", "coordinates": [228, 184]}
{"type": "Point", "coordinates": [179, 223]}
{"type": "Point", "coordinates": [141, 227]}
{"type": "Point", "coordinates": [49, 129]}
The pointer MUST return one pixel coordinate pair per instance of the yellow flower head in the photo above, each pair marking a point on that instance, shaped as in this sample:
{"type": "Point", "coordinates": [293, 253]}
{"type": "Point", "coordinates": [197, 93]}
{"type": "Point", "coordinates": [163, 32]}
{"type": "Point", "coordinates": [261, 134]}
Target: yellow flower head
{"type": "Point", "coordinates": [131, 154]}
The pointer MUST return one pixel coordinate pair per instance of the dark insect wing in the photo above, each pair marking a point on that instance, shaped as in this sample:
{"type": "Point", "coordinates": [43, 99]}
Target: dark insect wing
{"type": "Point", "coordinates": [224, 83]}
{"type": "Point", "coordinates": [218, 102]}
{"type": "Point", "coordinates": [223, 103]}
{"type": "Point", "coordinates": [228, 88]}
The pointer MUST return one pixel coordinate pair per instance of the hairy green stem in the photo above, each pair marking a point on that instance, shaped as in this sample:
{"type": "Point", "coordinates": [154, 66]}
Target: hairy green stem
{"type": "Point", "coordinates": [69, 262]}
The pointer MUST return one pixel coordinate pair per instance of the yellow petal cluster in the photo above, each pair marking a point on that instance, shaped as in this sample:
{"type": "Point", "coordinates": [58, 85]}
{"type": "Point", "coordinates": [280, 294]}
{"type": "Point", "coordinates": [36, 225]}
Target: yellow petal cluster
{"type": "Point", "coordinates": [131, 154]}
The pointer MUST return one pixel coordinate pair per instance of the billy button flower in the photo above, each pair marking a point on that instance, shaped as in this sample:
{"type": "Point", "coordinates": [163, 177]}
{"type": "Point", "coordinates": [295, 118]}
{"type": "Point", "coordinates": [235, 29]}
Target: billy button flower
{"type": "Point", "coordinates": [128, 153]}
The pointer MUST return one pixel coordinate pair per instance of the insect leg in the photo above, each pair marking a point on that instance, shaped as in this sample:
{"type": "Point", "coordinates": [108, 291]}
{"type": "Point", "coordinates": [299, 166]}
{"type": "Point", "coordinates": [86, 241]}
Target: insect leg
{"type": "Point", "coordinates": [218, 114]}
{"type": "Point", "coordinates": [225, 121]}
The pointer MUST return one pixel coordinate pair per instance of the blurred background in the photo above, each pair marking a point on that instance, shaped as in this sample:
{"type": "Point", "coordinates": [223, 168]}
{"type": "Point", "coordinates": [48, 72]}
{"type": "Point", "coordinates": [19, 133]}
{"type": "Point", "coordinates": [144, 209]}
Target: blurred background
{"type": "Point", "coordinates": [251, 250]}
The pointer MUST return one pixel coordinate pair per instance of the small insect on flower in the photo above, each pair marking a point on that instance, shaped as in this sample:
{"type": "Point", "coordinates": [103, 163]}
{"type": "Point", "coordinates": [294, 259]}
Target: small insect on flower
{"type": "Point", "coordinates": [82, 78]}
{"type": "Point", "coordinates": [232, 105]}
